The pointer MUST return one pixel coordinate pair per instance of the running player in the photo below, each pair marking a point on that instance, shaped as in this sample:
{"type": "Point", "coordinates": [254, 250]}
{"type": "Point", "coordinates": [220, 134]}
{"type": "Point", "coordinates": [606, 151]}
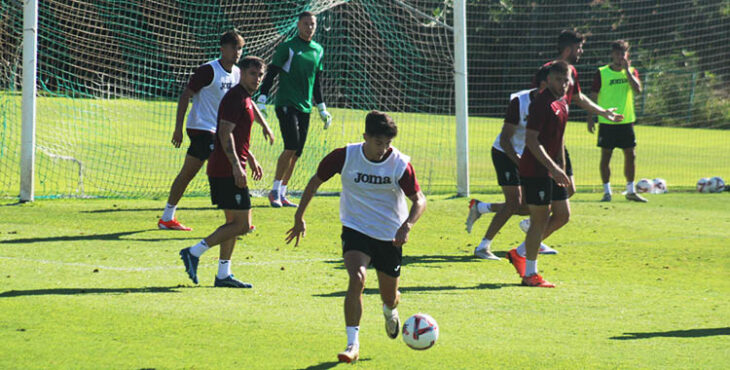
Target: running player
{"type": "Point", "coordinates": [227, 175]}
{"type": "Point", "coordinates": [615, 85]}
{"type": "Point", "coordinates": [506, 152]}
{"type": "Point", "coordinates": [298, 63]}
{"type": "Point", "coordinates": [376, 180]}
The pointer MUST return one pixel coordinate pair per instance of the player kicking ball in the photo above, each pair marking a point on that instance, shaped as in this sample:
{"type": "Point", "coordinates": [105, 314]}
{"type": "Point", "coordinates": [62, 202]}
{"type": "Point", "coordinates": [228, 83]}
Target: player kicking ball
{"type": "Point", "coordinates": [227, 174]}
{"type": "Point", "coordinates": [376, 180]}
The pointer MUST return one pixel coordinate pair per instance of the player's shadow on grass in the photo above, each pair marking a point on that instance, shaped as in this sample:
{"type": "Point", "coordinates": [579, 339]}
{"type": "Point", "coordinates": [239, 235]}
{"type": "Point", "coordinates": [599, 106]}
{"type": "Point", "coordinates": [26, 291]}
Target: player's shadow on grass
{"type": "Point", "coordinates": [424, 260]}
{"type": "Point", "coordinates": [77, 291]}
{"type": "Point", "coordinates": [330, 364]}
{"type": "Point", "coordinates": [158, 209]}
{"type": "Point", "coordinates": [424, 289]}
{"type": "Point", "coordinates": [690, 333]}
{"type": "Point", "coordinates": [110, 236]}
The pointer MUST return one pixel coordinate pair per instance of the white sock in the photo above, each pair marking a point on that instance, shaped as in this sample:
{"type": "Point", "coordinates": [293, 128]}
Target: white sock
{"type": "Point", "coordinates": [224, 269]}
{"type": "Point", "coordinates": [630, 187]}
{"type": "Point", "coordinates": [607, 188]}
{"type": "Point", "coordinates": [484, 207]}
{"type": "Point", "coordinates": [389, 311]}
{"type": "Point", "coordinates": [198, 249]}
{"type": "Point", "coordinates": [277, 184]}
{"type": "Point", "coordinates": [352, 335]}
{"type": "Point", "coordinates": [521, 250]}
{"type": "Point", "coordinates": [169, 212]}
{"type": "Point", "coordinates": [484, 244]}
{"type": "Point", "coordinates": [282, 191]}
{"type": "Point", "coordinates": [530, 267]}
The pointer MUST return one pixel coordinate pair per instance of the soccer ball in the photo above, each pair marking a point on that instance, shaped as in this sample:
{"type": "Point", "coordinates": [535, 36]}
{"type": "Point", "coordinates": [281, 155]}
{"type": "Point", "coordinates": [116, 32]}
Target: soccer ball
{"type": "Point", "coordinates": [420, 331]}
{"type": "Point", "coordinates": [660, 186]}
{"type": "Point", "coordinates": [703, 185]}
{"type": "Point", "coordinates": [644, 186]}
{"type": "Point", "coordinates": [716, 184]}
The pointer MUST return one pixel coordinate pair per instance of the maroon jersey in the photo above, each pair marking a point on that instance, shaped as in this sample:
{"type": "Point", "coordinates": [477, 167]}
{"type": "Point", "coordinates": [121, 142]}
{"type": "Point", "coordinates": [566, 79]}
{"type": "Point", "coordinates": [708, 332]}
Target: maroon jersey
{"type": "Point", "coordinates": [333, 163]}
{"type": "Point", "coordinates": [548, 115]}
{"type": "Point", "coordinates": [236, 107]}
{"type": "Point", "coordinates": [573, 87]}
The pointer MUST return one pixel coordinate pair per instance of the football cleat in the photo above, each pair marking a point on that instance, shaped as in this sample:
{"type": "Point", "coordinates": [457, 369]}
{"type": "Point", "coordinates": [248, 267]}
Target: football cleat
{"type": "Point", "coordinates": [191, 264]}
{"type": "Point", "coordinates": [172, 225]}
{"type": "Point", "coordinates": [606, 197]}
{"type": "Point", "coordinates": [536, 281]}
{"type": "Point", "coordinates": [392, 324]}
{"type": "Point", "coordinates": [231, 282]}
{"type": "Point", "coordinates": [274, 199]}
{"type": "Point", "coordinates": [350, 354]}
{"type": "Point", "coordinates": [517, 261]}
{"type": "Point", "coordinates": [473, 215]}
{"type": "Point", "coordinates": [636, 197]}
{"type": "Point", "coordinates": [525, 225]}
{"type": "Point", "coordinates": [544, 249]}
{"type": "Point", "coordinates": [286, 203]}
{"type": "Point", "coordinates": [485, 254]}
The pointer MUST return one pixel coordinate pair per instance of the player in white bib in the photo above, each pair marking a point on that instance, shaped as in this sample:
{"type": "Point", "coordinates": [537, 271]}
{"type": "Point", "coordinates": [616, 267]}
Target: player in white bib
{"type": "Point", "coordinates": [206, 87]}
{"type": "Point", "coordinates": [506, 152]}
{"type": "Point", "coordinates": [376, 180]}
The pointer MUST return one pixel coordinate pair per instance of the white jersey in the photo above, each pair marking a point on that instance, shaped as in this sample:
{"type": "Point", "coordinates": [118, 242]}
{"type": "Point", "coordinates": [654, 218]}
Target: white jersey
{"type": "Point", "coordinates": [204, 114]}
{"type": "Point", "coordinates": [518, 138]}
{"type": "Point", "coordinates": [372, 201]}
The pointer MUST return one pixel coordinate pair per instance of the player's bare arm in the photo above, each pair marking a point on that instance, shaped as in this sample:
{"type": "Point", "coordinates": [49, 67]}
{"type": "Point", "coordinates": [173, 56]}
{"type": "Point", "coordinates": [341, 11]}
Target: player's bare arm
{"type": "Point", "coordinates": [300, 226]}
{"type": "Point", "coordinates": [259, 117]}
{"type": "Point", "coordinates": [532, 143]}
{"type": "Point", "coordinates": [225, 134]}
{"type": "Point", "coordinates": [633, 81]}
{"type": "Point", "coordinates": [505, 140]}
{"type": "Point", "coordinates": [592, 117]}
{"type": "Point", "coordinates": [256, 169]}
{"type": "Point", "coordinates": [182, 108]}
{"type": "Point", "coordinates": [417, 209]}
{"type": "Point", "coordinates": [593, 108]}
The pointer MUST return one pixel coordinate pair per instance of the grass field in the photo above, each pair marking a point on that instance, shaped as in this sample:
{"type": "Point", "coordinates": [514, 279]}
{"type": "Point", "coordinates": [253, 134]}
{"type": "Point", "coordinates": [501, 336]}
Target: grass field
{"type": "Point", "coordinates": [124, 147]}
{"type": "Point", "coordinates": [93, 284]}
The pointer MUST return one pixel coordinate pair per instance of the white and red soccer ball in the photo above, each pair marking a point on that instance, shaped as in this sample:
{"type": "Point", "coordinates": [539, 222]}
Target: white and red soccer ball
{"type": "Point", "coordinates": [660, 186]}
{"type": "Point", "coordinates": [644, 186]}
{"type": "Point", "coordinates": [711, 185]}
{"type": "Point", "coordinates": [420, 331]}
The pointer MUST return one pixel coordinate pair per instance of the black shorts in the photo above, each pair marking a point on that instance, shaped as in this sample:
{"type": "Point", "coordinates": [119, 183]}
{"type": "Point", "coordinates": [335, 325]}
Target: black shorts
{"type": "Point", "coordinates": [507, 171]}
{"type": "Point", "coordinates": [384, 256]}
{"type": "Point", "coordinates": [226, 195]}
{"type": "Point", "coordinates": [616, 136]}
{"type": "Point", "coordinates": [294, 126]}
{"type": "Point", "coordinates": [568, 164]}
{"type": "Point", "coordinates": [541, 191]}
{"type": "Point", "coordinates": [201, 143]}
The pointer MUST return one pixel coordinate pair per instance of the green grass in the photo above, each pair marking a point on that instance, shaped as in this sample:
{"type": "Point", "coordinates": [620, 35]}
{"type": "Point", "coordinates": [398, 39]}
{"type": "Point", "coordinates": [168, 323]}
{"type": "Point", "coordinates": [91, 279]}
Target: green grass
{"type": "Point", "coordinates": [124, 147]}
{"type": "Point", "coordinates": [93, 284]}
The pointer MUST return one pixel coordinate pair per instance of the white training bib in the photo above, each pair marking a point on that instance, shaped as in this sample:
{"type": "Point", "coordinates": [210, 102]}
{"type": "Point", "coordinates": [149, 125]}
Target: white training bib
{"type": "Point", "coordinates": [372, 201]}
{"type": "Point", "coordinates": [518, 139]}
{"type": "Point", "coordinates": [204, 113]}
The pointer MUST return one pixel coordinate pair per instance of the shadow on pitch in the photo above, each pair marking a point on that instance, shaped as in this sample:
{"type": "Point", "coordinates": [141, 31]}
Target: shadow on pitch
{"type": "Point", "coordinates": [691, 333]}
{"type": "Point", "coordinates": [110, 236]}
{"type": "Point", "coordinates": [330, 364]}
{"type": "Point", "coordinates": [426, 260]}
{"type": "Point", "coordinates": [425, 289]}
{"type": "Point", "coordinates": [160, 209]}
{"type": "Point", "coordinates": [80, 291]}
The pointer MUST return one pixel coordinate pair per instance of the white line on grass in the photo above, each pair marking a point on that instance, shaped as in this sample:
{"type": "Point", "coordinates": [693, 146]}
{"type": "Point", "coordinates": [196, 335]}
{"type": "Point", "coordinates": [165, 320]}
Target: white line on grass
{"type": "Point", "coordinates": [168, 267]}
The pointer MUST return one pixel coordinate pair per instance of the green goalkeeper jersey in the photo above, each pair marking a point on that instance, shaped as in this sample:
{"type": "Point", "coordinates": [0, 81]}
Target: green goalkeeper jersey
{"type": "Point", "coordinates": [299, 61]}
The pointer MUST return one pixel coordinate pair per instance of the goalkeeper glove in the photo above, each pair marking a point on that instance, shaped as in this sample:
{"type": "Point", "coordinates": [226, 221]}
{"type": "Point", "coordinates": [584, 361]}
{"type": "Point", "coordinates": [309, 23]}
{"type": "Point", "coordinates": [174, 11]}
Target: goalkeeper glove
{"type": "Point", "coordinates": [261, 104]}
{"type": "Point", "coordinates": [324, 115]}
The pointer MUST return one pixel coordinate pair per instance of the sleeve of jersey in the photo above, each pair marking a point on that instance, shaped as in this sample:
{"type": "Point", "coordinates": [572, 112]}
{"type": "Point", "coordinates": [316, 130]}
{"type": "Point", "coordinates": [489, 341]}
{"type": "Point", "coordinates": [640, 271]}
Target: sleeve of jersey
{"type": "Point", "coordinates": [512, 116]}
{"type": "Point", "coordinates": [281, 54]}
{"type": "Point", "coordinates": [536, 117]}
{"type": "Point", "coordinates": [408, 181]}
{"type": "Point", "coordinates": [201, 78]}
{"type": "Point", "coordinates": [576, 82]}
{"type": "Point", "coordinates": [331, 164]}
{"type": "Point", "coordinates": [596, 86]}
{"type": "Point", "coordinates": [230, 110]}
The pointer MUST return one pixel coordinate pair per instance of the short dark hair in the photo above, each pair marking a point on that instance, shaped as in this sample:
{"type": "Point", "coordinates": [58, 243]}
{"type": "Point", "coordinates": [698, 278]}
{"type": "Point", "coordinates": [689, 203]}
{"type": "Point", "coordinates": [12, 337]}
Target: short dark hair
{"type": "Point", "coordinates": [559, 67]}
{"type": "Point", "coordinates": [542, 74]}
{"type": "Point", "coordinates": [252, 61]}
{"type": "Point", "coordinates": [232, 37]}
{"type": "Point", "coordinates": [620, 45]}
{"type": "Point", "coordinates": [380, 124]}
{"type": "Point", "coordinates": [306, 14]}
{"type": "Point", "coordinates": [569, 38]}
